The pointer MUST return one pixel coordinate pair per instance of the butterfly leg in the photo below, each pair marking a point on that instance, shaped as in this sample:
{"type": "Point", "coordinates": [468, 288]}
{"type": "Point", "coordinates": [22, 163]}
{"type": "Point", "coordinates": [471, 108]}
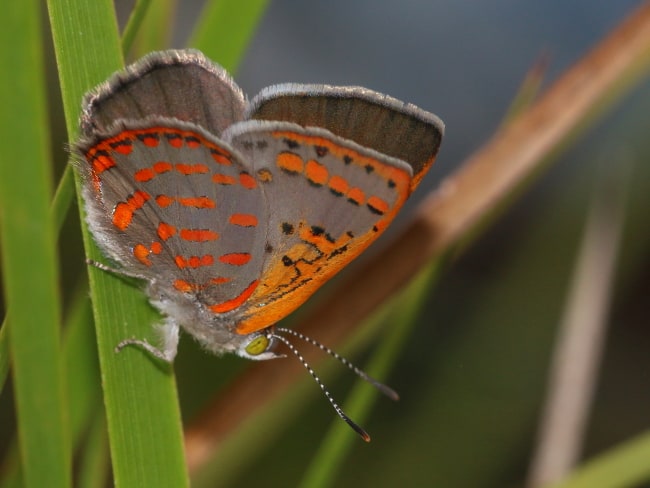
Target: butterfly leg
{"type": "Point", "coordinates": [115, 271]}
{"type": "Point", "coordinates": [169, 333]}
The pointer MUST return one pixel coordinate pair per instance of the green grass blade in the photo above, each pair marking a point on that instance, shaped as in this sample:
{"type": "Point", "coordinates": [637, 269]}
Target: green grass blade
{"type": "Point", "coordinates": [12, 474]}
{"type": "Point", "coordinates": [81, 366]}
{"type": "Point", "coordinates": [155, 30]}
{"type": "Point", "coordinates": [29, 254]}
{"type": "Point", "coordinates": [140, 396]}
{"type": "Point", "coordinates": [133, 25]}
{"type": "Point", "coordinates": [528, 90]}
{"type": "Point", "coordinates": [4, 354]}
{"type": "Point", "coordinates": [225, 29]}
{"type": "Point", "coordinates": [83, 391]}
{"type": "Point", "coordinates": [94, 467]}
{"type": "Point", "coordinates": [63, 197]}
{"type": "Point", "coordinates": [622, 466]}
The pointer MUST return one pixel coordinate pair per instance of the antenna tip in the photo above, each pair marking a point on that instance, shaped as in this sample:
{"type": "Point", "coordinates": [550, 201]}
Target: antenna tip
{"type": "Point", "coordinates": [389, 392]}
{"type": "Point", "coordinates": [364, 435]}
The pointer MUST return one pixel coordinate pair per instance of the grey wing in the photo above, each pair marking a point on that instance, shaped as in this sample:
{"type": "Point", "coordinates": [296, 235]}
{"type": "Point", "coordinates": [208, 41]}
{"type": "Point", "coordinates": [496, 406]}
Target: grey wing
{"type": "Point", "coordinates": [329, 198]}
{"type": "Point", "coordinates": [178, 207]}
{"type": "Point", "coordinates": [371, 119]}
{"type": "Point", "coordinates": [180, 84]}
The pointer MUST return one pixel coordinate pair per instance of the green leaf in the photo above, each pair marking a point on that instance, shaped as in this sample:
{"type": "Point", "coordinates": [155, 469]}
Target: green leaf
{"type": "Point", "coordinates": [94, 459]}
{"type": "Point", "coordinates": [133, 25]}
{"type": "Point", "coordinates": [624, 465]}
{"type": "Point", "coordinates": [4, 354]}
{"type": "Point", "coordinates": [225, 29]}
{"type": "Point", "coordinates": [155, 30]}
{"type": "Point", "coordinates": [29, 254]}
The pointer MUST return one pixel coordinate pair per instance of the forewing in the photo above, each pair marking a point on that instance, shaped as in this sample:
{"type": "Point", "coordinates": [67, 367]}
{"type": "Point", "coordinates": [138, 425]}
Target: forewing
{"type": "Point", "coordinates": [177, 207]}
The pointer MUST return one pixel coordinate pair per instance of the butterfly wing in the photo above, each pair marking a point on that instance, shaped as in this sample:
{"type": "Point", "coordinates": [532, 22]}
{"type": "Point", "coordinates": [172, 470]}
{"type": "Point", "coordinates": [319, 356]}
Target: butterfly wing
{"type": "Point", "coordinates": [165, 196]}
{"type": "Point", "coordinates": [184, 85]}
{"type": "Point", "coordinates": [373, 120]}
{"type": "Point", "coordinates": [178, 208]}
{"type": "Point", "coordinates": [336, 164]}
{"type": "Point", "coordinates": [329, 199]}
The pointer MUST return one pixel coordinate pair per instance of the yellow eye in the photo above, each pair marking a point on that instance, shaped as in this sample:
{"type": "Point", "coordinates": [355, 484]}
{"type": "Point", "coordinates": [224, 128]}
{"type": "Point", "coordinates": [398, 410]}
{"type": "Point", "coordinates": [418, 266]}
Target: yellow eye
{"type": "Point", "coordinates": [257, 345]}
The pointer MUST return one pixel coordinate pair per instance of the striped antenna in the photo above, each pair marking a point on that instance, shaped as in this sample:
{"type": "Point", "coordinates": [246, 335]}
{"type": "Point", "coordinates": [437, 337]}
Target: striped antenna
{"type": "Point", "coordinates": [389, 392]}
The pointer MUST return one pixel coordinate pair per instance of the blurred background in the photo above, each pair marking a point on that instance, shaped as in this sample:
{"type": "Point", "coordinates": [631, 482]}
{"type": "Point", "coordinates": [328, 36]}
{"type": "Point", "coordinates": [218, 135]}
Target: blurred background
{"type": "Point", "coordinates": [472, 377]}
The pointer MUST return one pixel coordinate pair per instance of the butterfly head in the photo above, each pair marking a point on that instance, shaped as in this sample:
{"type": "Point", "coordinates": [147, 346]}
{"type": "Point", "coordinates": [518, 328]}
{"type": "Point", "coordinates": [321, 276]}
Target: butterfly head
{"type": "Point", "coordinates": [259, 346]}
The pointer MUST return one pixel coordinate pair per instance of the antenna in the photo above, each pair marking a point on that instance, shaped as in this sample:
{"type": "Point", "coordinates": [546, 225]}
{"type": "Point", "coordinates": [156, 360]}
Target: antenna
{"type": "Point", "coordinates": [386, 390]}
{"type": "Point", "coordinates": [380, 386]}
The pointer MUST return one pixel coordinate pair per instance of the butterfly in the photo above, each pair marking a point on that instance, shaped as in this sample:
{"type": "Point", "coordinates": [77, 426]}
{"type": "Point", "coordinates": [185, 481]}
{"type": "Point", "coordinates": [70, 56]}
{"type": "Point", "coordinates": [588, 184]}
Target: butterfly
{"type": "Point", "coordinates": [234, 212]}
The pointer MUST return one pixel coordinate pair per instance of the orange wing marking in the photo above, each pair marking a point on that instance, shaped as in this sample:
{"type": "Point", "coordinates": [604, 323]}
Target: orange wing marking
{"type": "Point", "coordinates": [243, 220]}
{"type": "Point", "coordinates": [123, 212]}
{"type": "Point", "coordinates": [198, 235]}
{"type": "Point", "coordinates": [194, 261]}
{"type": "Point", "coordinates": [235, 258]}
{"type": "Point", "coordinates": [239, 300]}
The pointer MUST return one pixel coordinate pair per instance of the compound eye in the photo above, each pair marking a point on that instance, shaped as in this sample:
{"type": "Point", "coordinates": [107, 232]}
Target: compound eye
{"type": "Point", "coordinates": [258, 345]}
